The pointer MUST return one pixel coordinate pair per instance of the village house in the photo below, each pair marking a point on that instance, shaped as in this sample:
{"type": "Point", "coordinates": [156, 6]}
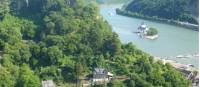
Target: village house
{"type": "Point", "coordinates": [101, 75]}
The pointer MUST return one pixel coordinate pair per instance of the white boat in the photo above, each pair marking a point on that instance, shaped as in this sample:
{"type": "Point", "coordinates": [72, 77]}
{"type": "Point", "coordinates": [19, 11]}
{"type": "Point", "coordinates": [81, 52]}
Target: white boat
{"type": "Point", "coordinates": [180, 56]}
{"type": "Point", "coordinates": [188, 56]}
{"type": "Point", "coordinates": [196, 55]}
{"type": "Point", "coordinates": [111, 14]}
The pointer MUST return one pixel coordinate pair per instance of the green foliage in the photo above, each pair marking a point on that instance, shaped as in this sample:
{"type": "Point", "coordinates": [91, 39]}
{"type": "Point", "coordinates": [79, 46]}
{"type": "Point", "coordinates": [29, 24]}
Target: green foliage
{"type": "Point", "coordinates": [6, 78]}
{"type": "Point", "coordinates": [167, 9]}
{"type": "Point", "coordinates": [152, 31]}
{"type": "Point", "coordinates": [131, 83]}
{"type": "Point", "coordinates": [28, 30]}
{"type": "Point", "coordinates": [4, 8]}
{"type": "Point", "coordinates": [27, 78]}
{"type": "Point", "coordinates": [115, 83]}
{"type": "Point", "coordinates": [109, 1]}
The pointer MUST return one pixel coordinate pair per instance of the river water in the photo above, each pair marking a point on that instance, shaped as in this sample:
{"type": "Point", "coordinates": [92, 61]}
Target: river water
{"type": "Point", "coordinates": [172, 41]}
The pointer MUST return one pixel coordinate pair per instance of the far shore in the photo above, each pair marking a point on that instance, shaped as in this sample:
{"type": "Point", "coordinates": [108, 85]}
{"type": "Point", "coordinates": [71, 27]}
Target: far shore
{"type": "Point", "coordinates": [156, 19]}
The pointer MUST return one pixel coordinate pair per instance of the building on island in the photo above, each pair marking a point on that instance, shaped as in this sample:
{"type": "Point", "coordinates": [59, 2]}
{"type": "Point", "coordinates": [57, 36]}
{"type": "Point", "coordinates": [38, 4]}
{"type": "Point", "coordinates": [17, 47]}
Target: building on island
{"type": "Point", "coordinates": [143, 28]}
{"type": "Point", "coordinates": [48, 83]}
{"type": "Point", "coordinates": [146, 32]}
{"type": "Point", "coordinates": [101, 75]}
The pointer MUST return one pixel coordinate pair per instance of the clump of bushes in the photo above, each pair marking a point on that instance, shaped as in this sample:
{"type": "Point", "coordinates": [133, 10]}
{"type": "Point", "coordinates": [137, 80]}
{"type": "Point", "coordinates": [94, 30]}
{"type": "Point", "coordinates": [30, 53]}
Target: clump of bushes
{"type": "Point", "coordinates": [152, 31]}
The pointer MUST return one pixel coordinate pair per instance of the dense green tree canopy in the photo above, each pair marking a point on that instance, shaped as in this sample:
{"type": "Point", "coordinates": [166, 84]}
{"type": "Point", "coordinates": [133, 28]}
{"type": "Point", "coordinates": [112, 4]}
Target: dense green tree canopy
{"type": "Point", "coordinates": [152, 31]}
{"type": "Point", "coordinates": [6, 79]}
{"type": "Point", "coordinates": [168, 9]}
{"type": "Point", "coordinates": [27, 78]}
{"type": "Point", "coordinates": [109, 1]}
{"type": "Point", "coordinates": [4, 8]}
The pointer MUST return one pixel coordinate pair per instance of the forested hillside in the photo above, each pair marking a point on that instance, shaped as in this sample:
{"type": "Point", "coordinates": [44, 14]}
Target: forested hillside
{"type": "Point", "coordinates": [194, 7]}
{"type": "Point", "coordinates": [110, 1]}
{"type": "Point", "coordinates": [64, 40]}
{"type": "Point", "coordinates": [183, 10]}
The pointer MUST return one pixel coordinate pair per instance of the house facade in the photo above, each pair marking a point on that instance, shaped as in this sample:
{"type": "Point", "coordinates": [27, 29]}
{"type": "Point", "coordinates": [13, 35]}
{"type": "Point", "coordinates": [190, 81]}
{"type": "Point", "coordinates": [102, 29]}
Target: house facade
{"type": "Point", "coordinates": [101, 75]}
{"type": "Point", "coordinates": [48, 83]}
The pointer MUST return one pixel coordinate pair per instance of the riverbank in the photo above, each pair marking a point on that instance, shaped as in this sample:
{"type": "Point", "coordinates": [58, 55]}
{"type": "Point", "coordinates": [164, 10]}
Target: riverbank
{"type": "Point", "coordinates": [156, 19]}
{"type": "Point", "coordinates": [176, 64]}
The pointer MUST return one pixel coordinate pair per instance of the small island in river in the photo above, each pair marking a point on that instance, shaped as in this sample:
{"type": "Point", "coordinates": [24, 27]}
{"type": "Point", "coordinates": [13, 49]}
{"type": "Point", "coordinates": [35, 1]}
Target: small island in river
{"type": "Point", "coordinates": [146, 32]}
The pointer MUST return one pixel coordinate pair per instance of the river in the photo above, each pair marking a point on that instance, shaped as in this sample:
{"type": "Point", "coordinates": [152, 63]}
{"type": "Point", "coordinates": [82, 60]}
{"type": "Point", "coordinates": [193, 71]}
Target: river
{"type": "Point", "coordinates": [172, 41]}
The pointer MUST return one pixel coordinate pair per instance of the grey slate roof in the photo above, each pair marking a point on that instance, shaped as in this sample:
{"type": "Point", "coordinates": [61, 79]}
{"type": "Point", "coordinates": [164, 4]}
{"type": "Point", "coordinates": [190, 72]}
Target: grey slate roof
{"type": "Point", "coordinates": [100, 71]}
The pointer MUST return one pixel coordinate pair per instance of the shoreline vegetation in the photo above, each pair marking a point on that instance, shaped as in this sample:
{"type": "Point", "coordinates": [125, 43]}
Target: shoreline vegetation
{"type": "Point", "coordinates": [175, 64]}
{"type": "Point", "coordinates": [156, 19]}
{"type": "Point", "coordinates": [188, 70]}
{"type": "Point", "coordinates": [152, 33]}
